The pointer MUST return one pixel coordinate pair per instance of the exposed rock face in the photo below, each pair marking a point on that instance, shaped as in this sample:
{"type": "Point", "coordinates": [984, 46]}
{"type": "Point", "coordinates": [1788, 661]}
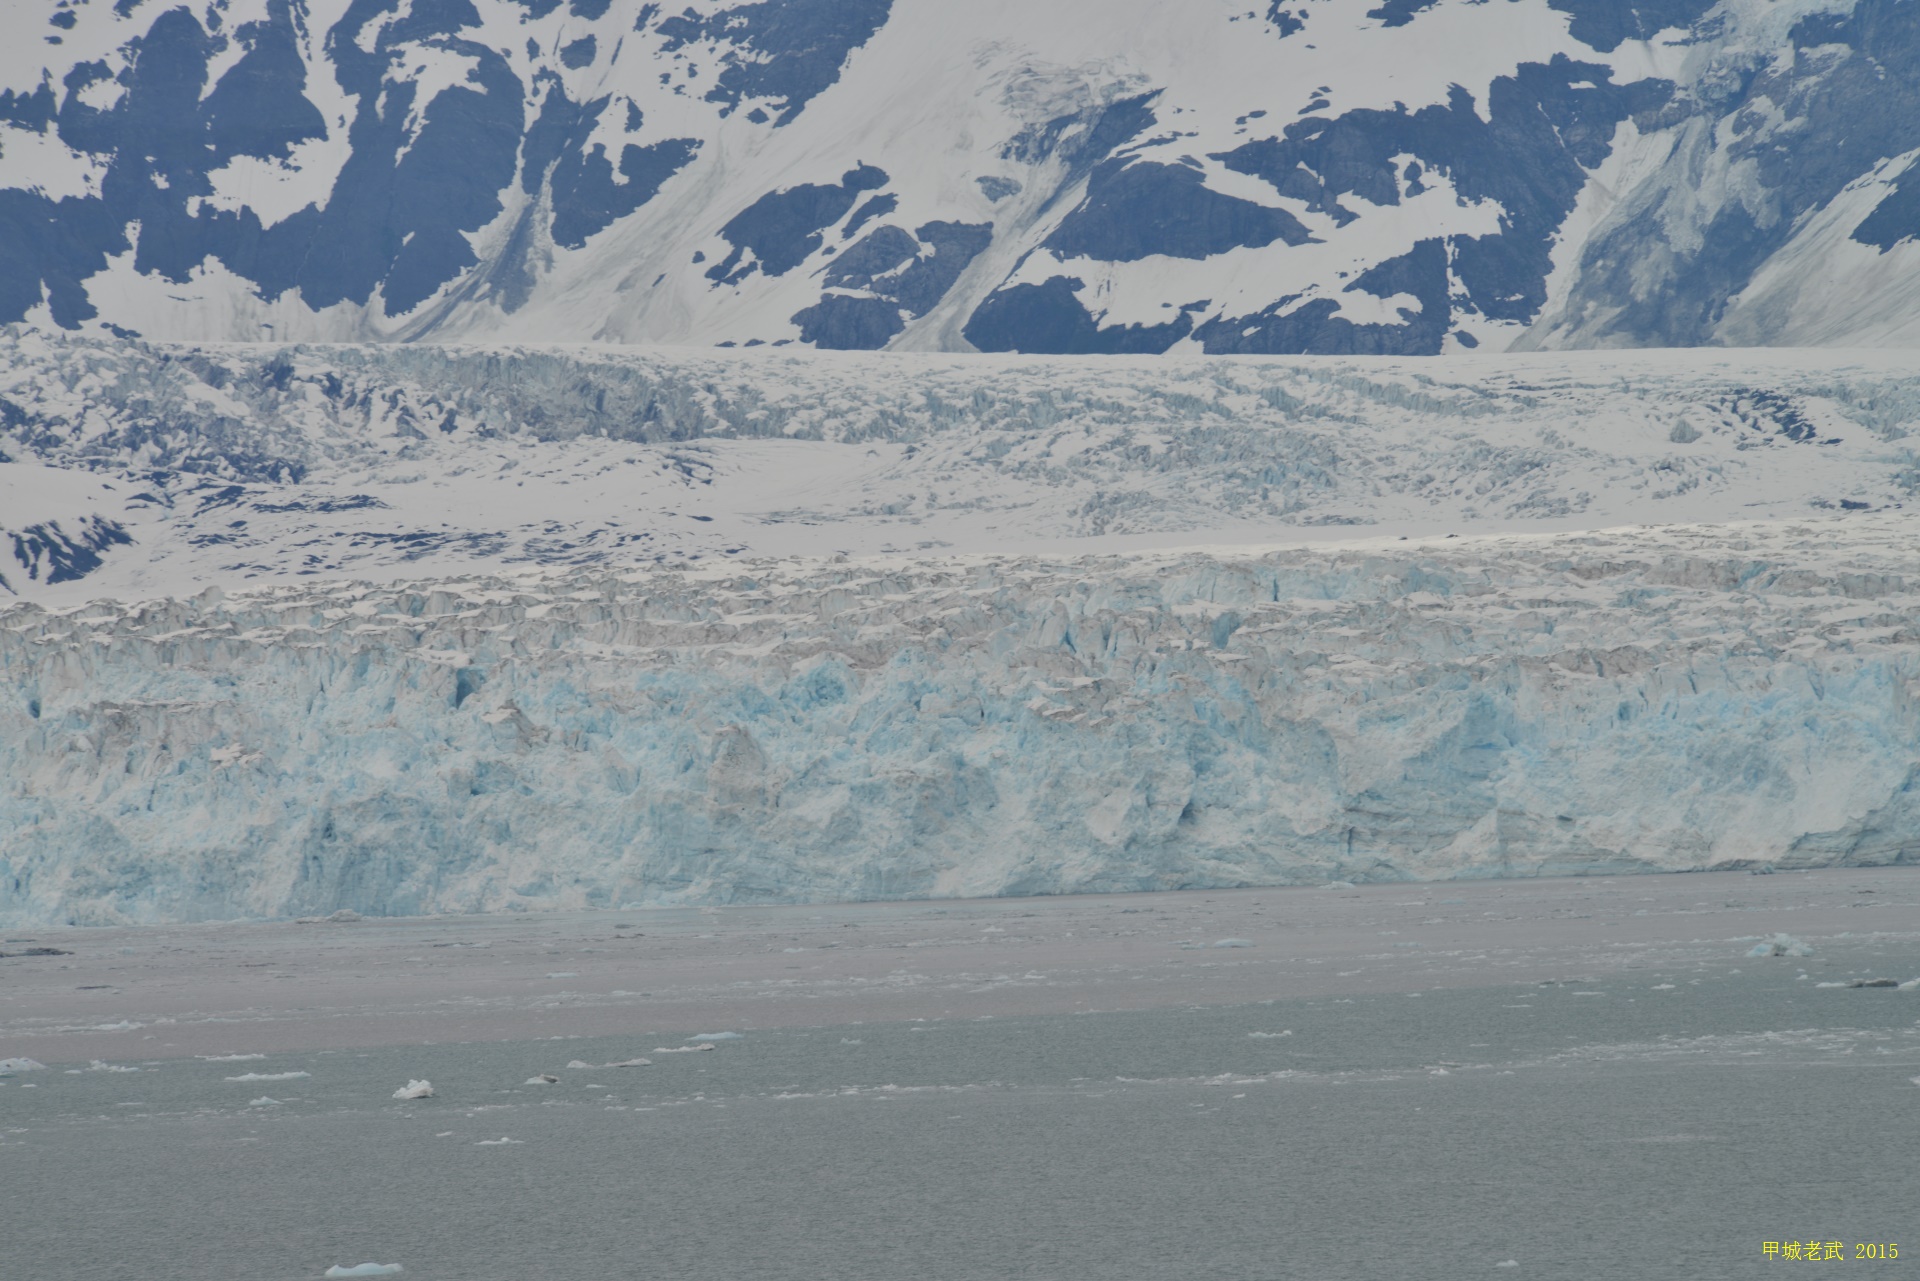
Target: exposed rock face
{"type": "Point", "coordinates": [1688, 698]}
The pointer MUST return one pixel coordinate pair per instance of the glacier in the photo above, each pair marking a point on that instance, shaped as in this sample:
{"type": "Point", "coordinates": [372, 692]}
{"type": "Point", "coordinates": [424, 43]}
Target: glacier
{"type": "Point", "coordinates": [135, 469]}
{"type": "Point", "coordinates": [870, 727]}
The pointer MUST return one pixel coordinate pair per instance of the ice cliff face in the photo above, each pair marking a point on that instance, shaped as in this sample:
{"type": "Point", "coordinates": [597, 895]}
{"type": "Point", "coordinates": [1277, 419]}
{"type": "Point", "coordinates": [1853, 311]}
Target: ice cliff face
{"type": "Point", "coordinates": [1292, 176]}
{"type": "Point", "coordinates": [136, 469]}
{"type": "Point", "coordinates": [1665, 699]}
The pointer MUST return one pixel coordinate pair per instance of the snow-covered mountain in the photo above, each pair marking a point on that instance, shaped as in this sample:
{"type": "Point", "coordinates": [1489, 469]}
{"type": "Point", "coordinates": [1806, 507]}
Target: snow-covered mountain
{"type": "Point", "coordinates": [1218, 176]}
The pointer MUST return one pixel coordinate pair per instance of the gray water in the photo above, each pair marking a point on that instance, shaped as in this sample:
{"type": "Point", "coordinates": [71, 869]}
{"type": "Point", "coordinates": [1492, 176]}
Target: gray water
{"type": "Point", "coordinates": [1626, 1132]}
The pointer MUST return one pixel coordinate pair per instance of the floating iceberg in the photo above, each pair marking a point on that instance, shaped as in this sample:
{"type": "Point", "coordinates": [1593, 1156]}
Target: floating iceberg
{"type": "Point", "coordinates": [1781, 945]}
{"type": "Point", "coordinates": [414, 1090]}
{"type": "Point", "coordinates": [9, 1067]}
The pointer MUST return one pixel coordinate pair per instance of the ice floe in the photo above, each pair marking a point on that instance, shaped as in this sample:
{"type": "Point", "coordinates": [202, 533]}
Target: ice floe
{"type": "Point", "coordinates": [1781, 945]}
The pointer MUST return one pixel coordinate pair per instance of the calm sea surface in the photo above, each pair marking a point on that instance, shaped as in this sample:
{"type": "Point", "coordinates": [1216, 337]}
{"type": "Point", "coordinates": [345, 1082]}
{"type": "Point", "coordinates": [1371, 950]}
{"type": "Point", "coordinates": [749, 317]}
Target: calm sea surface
{"type": "Point", "coordinates": [1613, 1129]}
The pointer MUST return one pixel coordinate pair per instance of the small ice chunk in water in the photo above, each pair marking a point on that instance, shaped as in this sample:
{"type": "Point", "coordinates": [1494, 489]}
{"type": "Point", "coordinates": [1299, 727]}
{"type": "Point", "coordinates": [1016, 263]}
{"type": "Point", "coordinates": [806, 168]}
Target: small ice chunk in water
{"type": "Point", "coordinates": [365, 1270]}
{"type": "Point", "coordinates": [1270, 1036]}
{"type": "Point", "coordinates": [502, 1141]}
{"type": "Point", "coordinates": [578, 1066]}
{"type": "Point", "coordinates": [545, 1078]}
{"type": "Point", "coordinates": [270, 1076]}
{"type": "Point", "coordinates": [264, 1102]}
{"type": "Point", "coordinates": [564, 974]}
{"type": "Point", "coordinates": [415, 1090]}
{"type": "Point", "coordinates": [1507, 1263]}
{"type": "Point", "coordinates": [230, 1058]}
{"type": "Point", "coordinates": [1781, 945]}
{"type": "Point", "coordinates": [682, 1049]}
{"type": "Point", "coordinates": [9, 1066]}
{"type": "Point", "coordinates": [715, 1036]}
{"type": "Point", "coordinates": [99, 1066]}
{"type": "Point", "coordinates": [1234, 943]}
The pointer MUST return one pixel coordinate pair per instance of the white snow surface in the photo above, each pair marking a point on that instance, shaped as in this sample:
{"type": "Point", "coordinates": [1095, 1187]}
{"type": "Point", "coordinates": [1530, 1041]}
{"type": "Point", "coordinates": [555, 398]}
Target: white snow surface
{"type": "Point", "coordinates": [234, 464]}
